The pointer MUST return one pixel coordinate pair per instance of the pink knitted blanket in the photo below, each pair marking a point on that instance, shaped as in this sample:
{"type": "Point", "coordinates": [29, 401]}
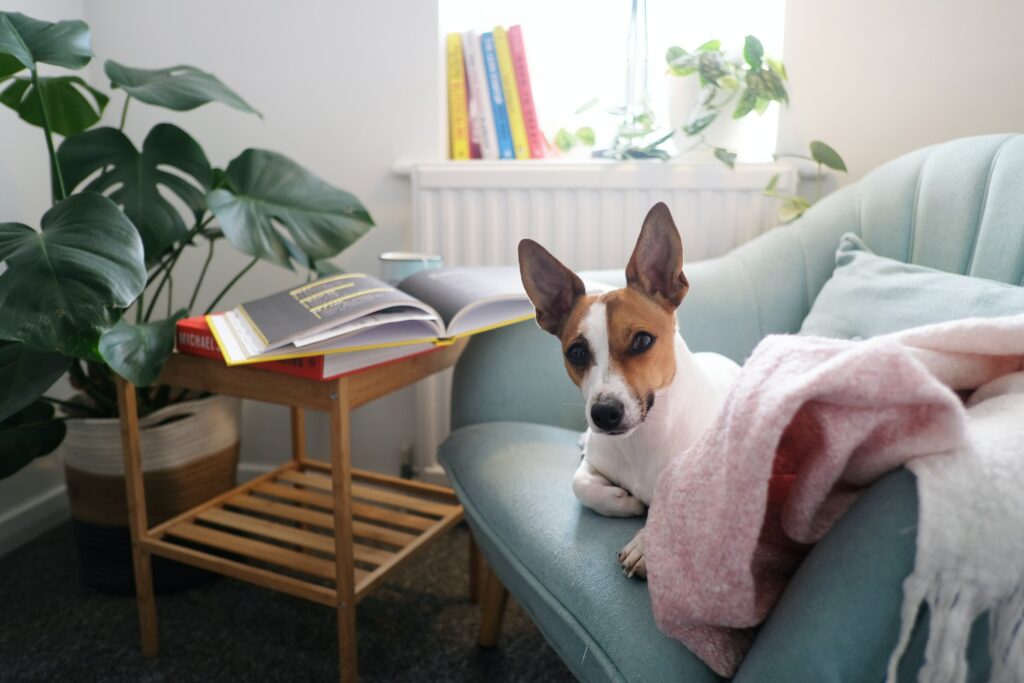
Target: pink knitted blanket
{"type": "Point", "coordinates": [809, 425]}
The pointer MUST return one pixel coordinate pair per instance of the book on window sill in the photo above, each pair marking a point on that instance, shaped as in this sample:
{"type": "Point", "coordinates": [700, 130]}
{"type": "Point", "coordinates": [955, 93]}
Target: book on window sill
{"type": "Point", "coordinates": [356, 312]}
{"type": "Point", "coordinates": [194, 337]}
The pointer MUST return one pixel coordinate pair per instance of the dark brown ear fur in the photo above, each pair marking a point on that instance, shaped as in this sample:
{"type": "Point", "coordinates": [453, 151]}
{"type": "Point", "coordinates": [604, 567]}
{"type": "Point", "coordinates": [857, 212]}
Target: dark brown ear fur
{"type": "Point", "coordinates": [551, 286]}
{"type": "Point", "coordinates": [656, 267]}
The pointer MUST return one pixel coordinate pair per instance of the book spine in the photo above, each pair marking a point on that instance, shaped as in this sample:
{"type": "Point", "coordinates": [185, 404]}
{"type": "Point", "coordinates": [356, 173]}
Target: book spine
{"type": "Point", "coordinates": [533, 134]}
{"type": "Point", "coordinates": [480, 110]}
{"type": "Point", "coordinates": [502, 131]}
{"type": "Point", "coordinates": [199, 341]}
{"type": "Point", "coordinates": [508, 82]}
{"type": "Point", "coordinates": [458, 115]}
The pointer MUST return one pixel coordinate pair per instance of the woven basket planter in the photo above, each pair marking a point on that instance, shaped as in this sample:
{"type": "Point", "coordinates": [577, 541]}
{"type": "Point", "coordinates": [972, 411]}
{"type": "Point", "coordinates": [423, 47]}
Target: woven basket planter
{"type": "Point", "coordinates": [189, 454]}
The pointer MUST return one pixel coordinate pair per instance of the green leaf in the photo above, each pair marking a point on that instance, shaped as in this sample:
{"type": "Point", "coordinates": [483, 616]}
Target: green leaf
{"type": "Point", "coordinates": [586, 136]}
{"type": "Point", "coordinates": [27, 435]}
{"type": "Point", "coordinates": [710, 46]}
{"type": "Point", "coordinates": [772, 184]}
{"type": "Point", "coordinates": [792, 208]}
{"type": "Point", "coordinates": [29, 41]}
{"type": "Point", "coordinates": [170, 162]}
{"type": "Point", "coordinates": [726, 157]}
{"type": "Point", "coordinates": [729, 82]}
{"type": "Point", "coordinates": [767, 85]}
{"type": "Point", "coordinates": [712, 66]}
{"type": "Point", "coordinates": [753, 51]}
{"type": "Point", "coordinates": [827, 156]}
{"type": "Point", "coordinates": [180, 88]}
{"type": "Point", "coordinates": [778, 67]}
{"type": "Point", "coordinates": [72, 104]}
{"type": "Point", "coordinates": [564, 140]}
{"type": "Point", "coordinates": [748, 100]}
{"type": "Point", "coordinates": [587, 106]}
{"type": "Point", "coordinates": [63, 286]}
{"type": "Point", "coordinates": [267, 190]}
{"type": "Point", "coordinates": [26, 374]}
{"type": "Point", "coordinates": [9, 65]}
{"type": "Point", "coordinates": [138, 352]}
{"type": "Point", "coordinates": [761, 106]}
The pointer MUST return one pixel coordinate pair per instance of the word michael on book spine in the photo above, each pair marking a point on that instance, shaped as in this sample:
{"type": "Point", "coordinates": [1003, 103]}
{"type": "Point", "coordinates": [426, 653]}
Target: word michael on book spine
{"type": "Point", "coordinates": [491, 110]}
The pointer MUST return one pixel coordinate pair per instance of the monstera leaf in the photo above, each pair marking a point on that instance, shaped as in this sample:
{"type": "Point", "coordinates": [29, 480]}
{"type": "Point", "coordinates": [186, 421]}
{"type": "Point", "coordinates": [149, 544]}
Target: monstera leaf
{"type": "Point", "coordinates": [66, 285]}
{"type": "Point", "coordinates": [71, 103]}
{"type": "Point", "coordinates": [25, 374]}
{"type": "Point", "coordinates": [29, 41]}
{"type": "Point", "coordinates": [133, 179]}
{"type": "Point", "coordinates": [267, 190]}
{"type": "Point", "coordinates": [138, 352]}
{"type": "Point", "coordinates": [28, 434]}
{"type": "Point", "coordinates": [180, 88]}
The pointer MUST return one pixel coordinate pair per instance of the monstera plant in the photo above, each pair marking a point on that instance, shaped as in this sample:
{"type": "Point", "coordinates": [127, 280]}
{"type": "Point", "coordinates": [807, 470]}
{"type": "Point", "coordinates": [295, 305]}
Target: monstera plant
{"type": "Point", "coordinates": [89, 291]}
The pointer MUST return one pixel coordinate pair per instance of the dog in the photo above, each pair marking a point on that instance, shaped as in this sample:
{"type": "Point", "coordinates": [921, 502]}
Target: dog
{"type": "Point", "coordinates": [648, 397]}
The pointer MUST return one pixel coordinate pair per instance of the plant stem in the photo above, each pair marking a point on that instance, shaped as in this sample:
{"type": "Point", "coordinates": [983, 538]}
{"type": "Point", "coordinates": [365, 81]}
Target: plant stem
{"type": "Point", "coordinates": [168, 265]}
{"type": "Point", "coordinates": [202, 274]}
{"type": "Point", "coordinates": [72, 405]}
{"type": "Point", "coordinates": [140, 303]}
{"type": "Point", "coordinates": [92, 390]}
{"type": "Point", "coordinates": [170, 292]}
{"type": "Point", "coordinates": [49, 135]}
{"type": "Point", "coordinates": [817, 194]}
{"type": "Point", "coordinates": [231, 284]}
{"type": "Point", "coordinates": [124, 111]}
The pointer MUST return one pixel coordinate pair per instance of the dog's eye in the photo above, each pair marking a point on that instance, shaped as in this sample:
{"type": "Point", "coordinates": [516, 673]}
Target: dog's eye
{"type": "Point", "coordinates": [577, 353]}
{"type": "Point", "coordinates": [641, 342]}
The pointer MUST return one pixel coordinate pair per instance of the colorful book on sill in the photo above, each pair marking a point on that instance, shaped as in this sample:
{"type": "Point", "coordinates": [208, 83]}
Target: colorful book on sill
{"type": "Point", "coordinates": [517, 125]}
{"type": "Point", "coordinates": [458, 111]}
{"type": "Point", "coordinates": [354, 312]}
{"type": "Point", "coordinates": [481, 116]}
{"type": "Point", "coordinates": [498, 108]}
{"type": "Point", "coordinates": [529, 110]}
{"type": "Point", "coordinates": [194, 337]}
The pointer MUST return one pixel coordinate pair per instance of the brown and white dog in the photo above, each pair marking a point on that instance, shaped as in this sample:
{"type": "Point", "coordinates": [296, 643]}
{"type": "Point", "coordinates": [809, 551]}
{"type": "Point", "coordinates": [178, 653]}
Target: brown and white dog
{"type": "Point", "coordinates": [647, 396]}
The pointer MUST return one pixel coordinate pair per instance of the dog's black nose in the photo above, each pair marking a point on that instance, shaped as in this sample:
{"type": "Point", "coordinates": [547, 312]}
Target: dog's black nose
{"type": "Point", "coordinates": [607, 414]}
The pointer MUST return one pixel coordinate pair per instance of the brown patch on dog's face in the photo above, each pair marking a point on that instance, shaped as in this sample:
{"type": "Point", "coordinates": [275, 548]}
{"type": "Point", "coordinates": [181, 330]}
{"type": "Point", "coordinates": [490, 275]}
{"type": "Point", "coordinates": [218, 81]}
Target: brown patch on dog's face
{"type": "Point", "coordinates": [644, 369]}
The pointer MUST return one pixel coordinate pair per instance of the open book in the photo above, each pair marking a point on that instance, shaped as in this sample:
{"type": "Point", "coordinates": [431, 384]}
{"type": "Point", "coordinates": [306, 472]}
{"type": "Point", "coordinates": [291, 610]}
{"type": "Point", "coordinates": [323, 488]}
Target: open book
{"type": "Point", "coordinates": [357, 312]}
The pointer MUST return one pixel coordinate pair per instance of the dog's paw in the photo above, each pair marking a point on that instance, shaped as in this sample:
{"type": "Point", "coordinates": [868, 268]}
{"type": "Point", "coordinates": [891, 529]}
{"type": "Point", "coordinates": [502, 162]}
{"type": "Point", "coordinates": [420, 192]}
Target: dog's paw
{"type": "Point", "coordinates": [634, 564]}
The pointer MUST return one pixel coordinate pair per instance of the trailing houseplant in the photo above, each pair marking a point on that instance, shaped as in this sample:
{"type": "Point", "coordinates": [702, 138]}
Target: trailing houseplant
{"type": "Point", "coordinates": [122, 216]}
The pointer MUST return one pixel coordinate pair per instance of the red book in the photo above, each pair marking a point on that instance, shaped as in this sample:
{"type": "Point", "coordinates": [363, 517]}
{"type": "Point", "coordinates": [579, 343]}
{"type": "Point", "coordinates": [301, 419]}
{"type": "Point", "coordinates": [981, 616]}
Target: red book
{"type": "Point", "coordinates": [533, 134]}
{"type": "Point", "coordinates": [195, 338]}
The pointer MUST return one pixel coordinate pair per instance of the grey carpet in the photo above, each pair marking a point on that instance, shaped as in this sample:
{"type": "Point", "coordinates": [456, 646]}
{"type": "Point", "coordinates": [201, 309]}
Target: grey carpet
{"type": "Point", "coordinates": [419, 626]}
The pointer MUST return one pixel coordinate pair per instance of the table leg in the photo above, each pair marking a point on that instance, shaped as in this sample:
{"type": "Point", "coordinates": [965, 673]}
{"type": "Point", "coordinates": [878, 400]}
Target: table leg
{"type": "Point", "coordinates": [137, 522]}
{"type": "Point", "coordinates": [341, 478]}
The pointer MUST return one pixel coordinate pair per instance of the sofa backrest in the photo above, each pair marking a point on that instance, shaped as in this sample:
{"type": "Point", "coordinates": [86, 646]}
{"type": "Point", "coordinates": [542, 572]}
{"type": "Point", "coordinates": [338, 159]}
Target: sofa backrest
{"type": "Point", "coordinates": [957, 206]}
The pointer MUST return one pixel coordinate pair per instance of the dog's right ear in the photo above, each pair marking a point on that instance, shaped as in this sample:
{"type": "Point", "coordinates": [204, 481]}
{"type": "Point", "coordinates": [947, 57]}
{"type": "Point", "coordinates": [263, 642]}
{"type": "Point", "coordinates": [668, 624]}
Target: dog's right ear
{"type": "Point", "coordinates": [551, 286]}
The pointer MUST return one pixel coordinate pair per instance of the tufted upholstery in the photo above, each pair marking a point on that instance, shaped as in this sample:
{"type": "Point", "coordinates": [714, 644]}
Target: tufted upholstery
{"type": "Point", "coordinates": [957, 207]}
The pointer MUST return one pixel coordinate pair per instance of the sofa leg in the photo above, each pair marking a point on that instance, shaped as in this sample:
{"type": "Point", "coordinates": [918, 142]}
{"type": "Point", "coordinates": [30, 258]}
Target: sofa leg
{"type": "Point", "coordinates": [492, 609]}
{"type": "Point", "coordinates": [475, 567]}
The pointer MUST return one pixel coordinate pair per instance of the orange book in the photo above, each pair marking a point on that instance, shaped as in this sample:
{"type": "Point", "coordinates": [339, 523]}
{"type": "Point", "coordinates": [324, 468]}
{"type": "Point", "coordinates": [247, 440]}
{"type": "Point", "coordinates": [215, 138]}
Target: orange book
{"type": "Point", "coordinates": [458, 102]}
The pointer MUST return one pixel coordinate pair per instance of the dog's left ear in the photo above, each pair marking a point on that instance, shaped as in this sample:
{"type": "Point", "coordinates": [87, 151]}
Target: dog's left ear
{"type": "Point", "coordinates": [656, 267]}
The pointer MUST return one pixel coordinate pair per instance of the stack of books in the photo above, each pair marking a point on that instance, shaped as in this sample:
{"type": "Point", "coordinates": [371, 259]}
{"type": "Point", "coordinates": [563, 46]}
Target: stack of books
{"type": "Point", "coordinates": [491, 114]}
{"type": "Point", "coordinates": [347, 323]}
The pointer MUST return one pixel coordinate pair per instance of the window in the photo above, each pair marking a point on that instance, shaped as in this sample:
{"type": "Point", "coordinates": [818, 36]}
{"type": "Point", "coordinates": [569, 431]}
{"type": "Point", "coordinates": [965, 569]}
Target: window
{"type": "Point", "coordinates": [577, 51]}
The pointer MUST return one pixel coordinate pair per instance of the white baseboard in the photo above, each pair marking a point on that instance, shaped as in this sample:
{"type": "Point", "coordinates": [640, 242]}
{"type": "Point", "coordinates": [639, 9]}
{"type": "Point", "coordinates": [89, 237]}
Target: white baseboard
{"type": "Point", "coordinates": [36, 515]}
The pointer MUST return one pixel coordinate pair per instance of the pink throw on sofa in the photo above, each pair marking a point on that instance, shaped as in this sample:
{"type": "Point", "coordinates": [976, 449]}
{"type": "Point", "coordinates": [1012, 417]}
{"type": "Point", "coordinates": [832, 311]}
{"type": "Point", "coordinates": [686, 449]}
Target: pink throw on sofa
{"type": "Point", "coordinates": [809, 425]}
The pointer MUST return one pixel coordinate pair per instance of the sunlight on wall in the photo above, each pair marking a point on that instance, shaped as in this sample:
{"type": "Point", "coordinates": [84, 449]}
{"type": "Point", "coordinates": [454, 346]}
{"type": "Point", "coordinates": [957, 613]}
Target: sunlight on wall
{"type": "Point", "coordinates": [577, 51]}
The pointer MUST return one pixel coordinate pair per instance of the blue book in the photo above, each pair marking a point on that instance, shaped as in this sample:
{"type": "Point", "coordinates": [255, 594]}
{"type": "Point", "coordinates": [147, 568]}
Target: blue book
{"type": "Point", "coordinates": [505, 149]}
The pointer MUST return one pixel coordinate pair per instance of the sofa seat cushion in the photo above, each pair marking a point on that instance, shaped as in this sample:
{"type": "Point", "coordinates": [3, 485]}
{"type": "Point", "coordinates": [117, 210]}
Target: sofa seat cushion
{"type": "Point", "coordinates": [559, 558]}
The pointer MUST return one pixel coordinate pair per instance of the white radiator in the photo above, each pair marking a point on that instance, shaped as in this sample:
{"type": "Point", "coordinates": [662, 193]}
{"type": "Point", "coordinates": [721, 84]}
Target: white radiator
{"type": "Point", "coordinates": [586, 213]}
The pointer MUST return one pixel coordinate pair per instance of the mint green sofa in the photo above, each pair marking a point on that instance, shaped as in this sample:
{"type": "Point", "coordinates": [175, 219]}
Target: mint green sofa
{"type": "Point", "coordinates": [516, 416]}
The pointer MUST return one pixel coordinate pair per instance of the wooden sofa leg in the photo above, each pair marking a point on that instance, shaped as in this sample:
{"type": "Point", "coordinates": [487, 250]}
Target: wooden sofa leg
{"type": "Point", "coordinates": [475, 569]}
{"type": "Point", "coordinates": [492, 609]}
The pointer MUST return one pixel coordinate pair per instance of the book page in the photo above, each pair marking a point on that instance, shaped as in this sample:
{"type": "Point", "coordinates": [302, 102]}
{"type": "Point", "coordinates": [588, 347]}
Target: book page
{"type": "Point", "coordinates": [451, 290]}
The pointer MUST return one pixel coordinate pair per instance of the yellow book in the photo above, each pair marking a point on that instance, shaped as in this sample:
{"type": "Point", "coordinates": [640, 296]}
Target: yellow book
{"type": "Point", "coordinates": [520, 140]}
{"type": "Point", "coordinates": [458, 105]}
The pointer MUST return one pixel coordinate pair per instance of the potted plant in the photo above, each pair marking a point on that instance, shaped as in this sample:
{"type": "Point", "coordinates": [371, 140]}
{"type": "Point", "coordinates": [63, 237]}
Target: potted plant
{"type": "Point", "coordinates": [89, 294]}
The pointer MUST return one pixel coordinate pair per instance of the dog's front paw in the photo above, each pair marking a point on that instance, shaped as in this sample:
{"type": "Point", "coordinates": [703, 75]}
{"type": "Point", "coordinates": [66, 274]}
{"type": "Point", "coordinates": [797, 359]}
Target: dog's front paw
{"type": "Point", "coordinates": [632, 559]}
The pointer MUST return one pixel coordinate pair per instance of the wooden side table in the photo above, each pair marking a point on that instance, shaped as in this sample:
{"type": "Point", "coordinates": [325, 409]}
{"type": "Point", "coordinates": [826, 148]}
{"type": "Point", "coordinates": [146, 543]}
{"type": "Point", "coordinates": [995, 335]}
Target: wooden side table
{"type": "Point", "coordinates": [318, 530]}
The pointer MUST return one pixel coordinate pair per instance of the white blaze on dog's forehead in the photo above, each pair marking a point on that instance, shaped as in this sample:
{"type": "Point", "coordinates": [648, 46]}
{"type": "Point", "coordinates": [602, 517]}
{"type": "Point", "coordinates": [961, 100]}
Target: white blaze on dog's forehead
{"type": "Point", "coordinates": [600, 381]}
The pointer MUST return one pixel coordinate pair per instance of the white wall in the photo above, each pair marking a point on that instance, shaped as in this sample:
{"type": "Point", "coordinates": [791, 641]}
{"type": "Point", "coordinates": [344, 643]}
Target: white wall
{"type": "Point", "coordinates": [345, 89]}
{"type": "Point", "coordinates": [878, 78]}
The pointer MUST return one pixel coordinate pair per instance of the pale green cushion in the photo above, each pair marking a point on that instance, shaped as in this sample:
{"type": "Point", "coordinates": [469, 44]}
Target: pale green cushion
{"type": "Point", "coordinates": [869, 295]}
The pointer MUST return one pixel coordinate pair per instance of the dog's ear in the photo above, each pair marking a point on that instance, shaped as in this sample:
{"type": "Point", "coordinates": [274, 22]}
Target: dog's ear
{"type": "Point", "coordinates": [551, 286]}
{"type": "Point", "coordinates": [656, 267]}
